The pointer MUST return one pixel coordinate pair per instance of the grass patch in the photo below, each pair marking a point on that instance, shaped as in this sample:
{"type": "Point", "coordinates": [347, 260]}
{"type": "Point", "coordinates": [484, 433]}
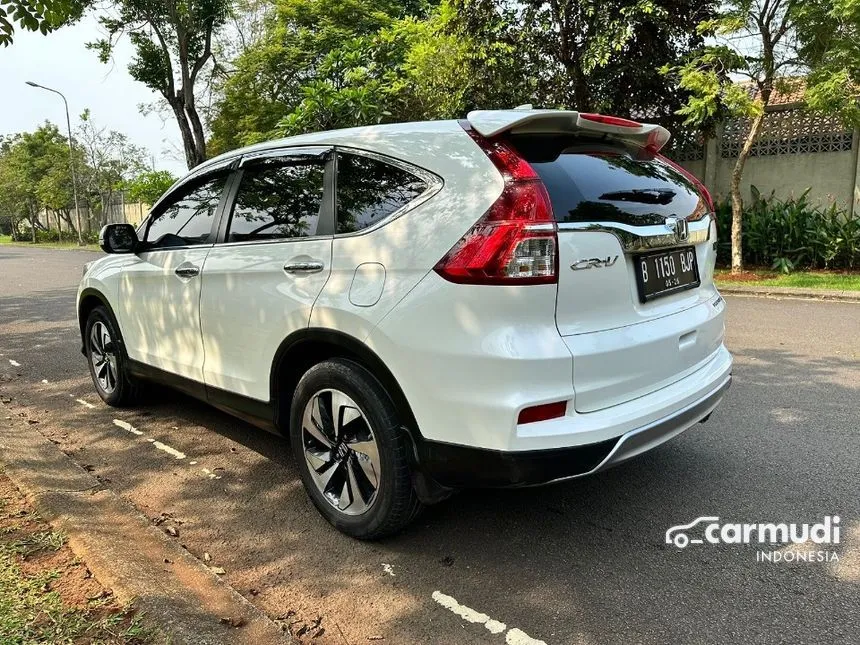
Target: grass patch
{"type": "Point", "coordinates": [70, 245]}
{"type": "Point", "coordinates": [47, 595]}
{"type": "Point", "coordinates": [839, 281]}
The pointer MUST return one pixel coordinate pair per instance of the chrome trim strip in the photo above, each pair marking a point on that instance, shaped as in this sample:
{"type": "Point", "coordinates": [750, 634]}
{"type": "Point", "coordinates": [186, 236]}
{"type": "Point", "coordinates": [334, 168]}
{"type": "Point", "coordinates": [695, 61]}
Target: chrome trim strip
{"type": "Point", "coordinates": [634, 239]}
{"type": "Point", "coordinates": [640, 440]}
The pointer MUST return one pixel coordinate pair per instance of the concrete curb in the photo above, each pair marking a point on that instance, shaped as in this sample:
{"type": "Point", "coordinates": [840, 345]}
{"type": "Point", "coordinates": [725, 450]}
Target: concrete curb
{"type": "Point", "coordinates": [126, 552]}
{"type": "Point", "coordinates": [790, 292]}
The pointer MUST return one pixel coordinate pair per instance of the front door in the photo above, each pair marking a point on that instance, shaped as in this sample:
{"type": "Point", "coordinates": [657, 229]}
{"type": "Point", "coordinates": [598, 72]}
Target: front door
{"type": "Point", "coordinates": [261, 282]}
{"type": "Point", "coordinates": [160, 293]}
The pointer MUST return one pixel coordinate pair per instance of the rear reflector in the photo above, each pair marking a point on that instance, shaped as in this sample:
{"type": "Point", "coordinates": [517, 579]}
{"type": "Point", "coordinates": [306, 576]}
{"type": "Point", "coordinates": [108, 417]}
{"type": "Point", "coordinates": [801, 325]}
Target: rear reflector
{"type": "Point", "coordinates": [542, 412]}
{"type": "Point", "coordinates": [515, 241]}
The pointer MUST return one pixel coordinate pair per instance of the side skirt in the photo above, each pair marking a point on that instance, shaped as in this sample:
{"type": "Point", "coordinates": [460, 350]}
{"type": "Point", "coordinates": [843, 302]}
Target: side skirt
{"type": "Point", "coordinates": [255, 412]}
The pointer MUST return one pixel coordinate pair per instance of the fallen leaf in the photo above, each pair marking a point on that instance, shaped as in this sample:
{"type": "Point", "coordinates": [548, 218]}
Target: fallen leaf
{"type": "Point", "coordinates": [218, 571]}
{"type": "Point", "coordinates": [172, 531]}
{"type": "Point", "coordinates": [207, 557]}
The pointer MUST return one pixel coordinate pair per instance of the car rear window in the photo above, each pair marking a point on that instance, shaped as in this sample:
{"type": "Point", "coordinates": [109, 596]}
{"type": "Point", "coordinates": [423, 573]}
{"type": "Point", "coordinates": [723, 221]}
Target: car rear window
{"type": "Point", "coordinates": [598, 179]}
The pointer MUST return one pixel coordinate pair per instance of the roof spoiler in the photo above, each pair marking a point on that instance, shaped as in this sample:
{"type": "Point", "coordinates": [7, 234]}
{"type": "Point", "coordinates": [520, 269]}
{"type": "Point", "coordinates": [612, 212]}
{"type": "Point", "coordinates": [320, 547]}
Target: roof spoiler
{"type": "Point", "coordinates": [521, 121]}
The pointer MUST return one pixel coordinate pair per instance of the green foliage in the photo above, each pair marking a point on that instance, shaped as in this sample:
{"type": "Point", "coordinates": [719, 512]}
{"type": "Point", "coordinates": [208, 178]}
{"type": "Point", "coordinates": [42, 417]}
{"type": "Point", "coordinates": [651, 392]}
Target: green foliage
{"type": "Point", "coordinates": [319, 64]}
{"type": "Point", "coordinates": [830, 37]}
{"type": "Point", "coordinates": [590, 55]}
{"type": "Point", "coordinates": [323, 64]}
{"type": "Point", "coordinates": [147, 187]}
{"type": "Point", "coordinates": [37, 15]}
{"type": "Point", "coordinates": [792, 234]}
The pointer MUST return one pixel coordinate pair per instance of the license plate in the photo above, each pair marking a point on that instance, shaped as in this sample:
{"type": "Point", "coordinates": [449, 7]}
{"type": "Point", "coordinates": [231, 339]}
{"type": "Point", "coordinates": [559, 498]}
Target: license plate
{"type": "Point", "coordinates": [664, 272]}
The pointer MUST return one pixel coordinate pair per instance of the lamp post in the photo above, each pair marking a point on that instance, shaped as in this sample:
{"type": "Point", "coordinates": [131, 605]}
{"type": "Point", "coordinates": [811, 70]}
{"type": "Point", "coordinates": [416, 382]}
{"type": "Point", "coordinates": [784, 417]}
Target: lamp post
{"type": "Point", "coordinates": [71, 156]}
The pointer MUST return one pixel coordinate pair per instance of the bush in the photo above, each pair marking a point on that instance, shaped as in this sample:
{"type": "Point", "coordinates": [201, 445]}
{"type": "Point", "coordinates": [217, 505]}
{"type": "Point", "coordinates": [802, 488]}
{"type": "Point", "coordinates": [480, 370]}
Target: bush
{"type": "Point", "coordinates": [791, 234]}
{"type": "Point", "coordinates": [49, 235]}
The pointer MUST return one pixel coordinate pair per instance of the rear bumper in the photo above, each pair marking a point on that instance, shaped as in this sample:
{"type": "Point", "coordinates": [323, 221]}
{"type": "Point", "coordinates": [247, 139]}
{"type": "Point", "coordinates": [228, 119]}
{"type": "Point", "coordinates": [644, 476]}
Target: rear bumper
{"type": "Point", "coordinates": [457, 466]}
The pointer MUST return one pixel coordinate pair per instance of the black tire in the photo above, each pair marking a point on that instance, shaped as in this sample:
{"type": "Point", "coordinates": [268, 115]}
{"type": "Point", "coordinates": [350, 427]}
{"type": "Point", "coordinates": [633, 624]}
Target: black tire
{"type": "Point", "coordinates": [122, 390]}
{"type": "Point", "coordinates": [393, 504]}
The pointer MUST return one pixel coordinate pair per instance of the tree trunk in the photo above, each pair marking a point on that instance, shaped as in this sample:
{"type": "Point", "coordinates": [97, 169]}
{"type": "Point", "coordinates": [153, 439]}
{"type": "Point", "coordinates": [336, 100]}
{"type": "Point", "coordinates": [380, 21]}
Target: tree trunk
{"type": "Point", "coordinates": [191, 157]}
{"type": "Point", "coordinates": [33, 216]}
{"type": "Point", "coordinates": [737, 200]}
{"type": "Point", "coordinates": [197, 130]}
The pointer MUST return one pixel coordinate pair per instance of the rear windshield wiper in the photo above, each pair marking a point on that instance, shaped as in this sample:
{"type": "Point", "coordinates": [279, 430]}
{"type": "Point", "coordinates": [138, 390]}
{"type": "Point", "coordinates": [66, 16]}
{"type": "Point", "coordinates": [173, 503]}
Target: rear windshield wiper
{"type": "Point", "coordinates": [642, 195]}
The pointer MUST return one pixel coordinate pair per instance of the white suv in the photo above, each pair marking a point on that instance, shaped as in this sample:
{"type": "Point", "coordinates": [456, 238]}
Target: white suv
{"type": "Point", "coordinates": [515, 299]}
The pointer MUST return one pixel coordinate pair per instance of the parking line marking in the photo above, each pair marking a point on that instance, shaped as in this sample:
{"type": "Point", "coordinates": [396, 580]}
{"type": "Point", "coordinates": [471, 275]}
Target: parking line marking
{"type": "Point", "coordinates": [125, 425]}
{"type": "Point", "coordinates": [14, 363]}
{"type": "Point", "coordinates": [514, 636]}
{"type": "Point", "coordinates": [85, 404]}
{"type": "Point", "coordinates": [519, 637]}
{"type": "Point", "coordinates": [167, 449]}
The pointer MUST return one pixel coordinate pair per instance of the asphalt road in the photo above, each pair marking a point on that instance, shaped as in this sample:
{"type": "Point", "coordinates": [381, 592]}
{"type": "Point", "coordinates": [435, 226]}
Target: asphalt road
{"type": "Point", "coordinates": [579, 562]}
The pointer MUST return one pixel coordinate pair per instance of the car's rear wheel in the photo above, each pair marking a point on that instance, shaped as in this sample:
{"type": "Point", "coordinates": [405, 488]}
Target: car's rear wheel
{"type": "Point", "coordinates": [107, 361]}
{"type": "Point", "coordinates": [352, 451]}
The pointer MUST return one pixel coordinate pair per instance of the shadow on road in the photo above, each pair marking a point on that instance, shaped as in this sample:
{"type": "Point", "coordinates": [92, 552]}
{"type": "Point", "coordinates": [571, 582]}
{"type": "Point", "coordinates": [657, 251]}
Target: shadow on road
{"type": "Point", "coordinates": [567, 563]}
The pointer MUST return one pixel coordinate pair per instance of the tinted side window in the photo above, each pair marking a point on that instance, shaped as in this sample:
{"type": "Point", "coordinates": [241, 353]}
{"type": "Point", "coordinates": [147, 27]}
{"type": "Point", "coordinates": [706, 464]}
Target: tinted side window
{"type": "Point", "coordinates": [369, 190]}
{"type": "Point", "coordinates": [188, 219]}
{"type": "Point", "coordinates": [277, 199]}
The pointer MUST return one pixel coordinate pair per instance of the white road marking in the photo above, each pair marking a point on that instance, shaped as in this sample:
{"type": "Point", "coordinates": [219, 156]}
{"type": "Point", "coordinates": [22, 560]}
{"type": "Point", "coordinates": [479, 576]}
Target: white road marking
{"type": "Point", "coordinates": [514, 636]}
{"type": "Point", "coordinates": [167, 449]}
{"type": "Point", "coordinates": [464, 612]}
{"type": "Point", "coordinates": [125, 425]}
{"type": "Point", "coordinates": [14, 363]}
{"type": "Point", "coordinates": [519, 637]}
{"type": "Point", "coordinates": [85, 404]}
{"type": "Point", "coordinates": [387, 568]}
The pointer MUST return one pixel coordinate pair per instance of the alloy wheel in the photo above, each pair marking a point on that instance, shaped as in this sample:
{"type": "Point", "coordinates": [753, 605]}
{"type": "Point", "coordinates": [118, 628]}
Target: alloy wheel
{"type": "Point", "coordinates": [341, 451]}
{"type": "Point", "coordinates": [103, 357]}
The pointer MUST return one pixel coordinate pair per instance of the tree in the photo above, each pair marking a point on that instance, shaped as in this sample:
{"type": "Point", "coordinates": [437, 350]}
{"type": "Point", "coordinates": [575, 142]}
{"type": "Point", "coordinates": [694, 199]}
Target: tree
{"type": "Point", "coordinates": [149, 186]}
{"type": "Point", "coordinates": [111, 159]}
{"type": "Point", "coordinates": [588, 55]}
{"type": "Point", "coordinates": [37, 15]}
{"type": "Point", "coordinates": [756, 39]}
{"type": "Point", "coordinates": [829, 34]}
{"type": "Point", "coordinates": [34, 173]}
{"type": "Point", "coordinates": [323, 54]}
{"type": "Point", "coordinates": [173, 44]}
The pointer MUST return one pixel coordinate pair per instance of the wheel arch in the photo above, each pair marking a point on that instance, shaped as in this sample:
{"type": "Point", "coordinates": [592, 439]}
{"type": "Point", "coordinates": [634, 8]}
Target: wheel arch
{"type": "Point", "coordinates": [88, 300]}
{"type": "Point", "coordinates": [306, 347]}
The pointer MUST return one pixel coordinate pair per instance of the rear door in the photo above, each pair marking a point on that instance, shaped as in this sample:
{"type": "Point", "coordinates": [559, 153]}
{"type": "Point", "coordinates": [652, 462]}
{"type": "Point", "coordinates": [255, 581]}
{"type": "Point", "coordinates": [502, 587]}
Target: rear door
{"type": "Point", "coordinates": [635, 252]}
{"type": "Point", "coordinates": [272, 260]}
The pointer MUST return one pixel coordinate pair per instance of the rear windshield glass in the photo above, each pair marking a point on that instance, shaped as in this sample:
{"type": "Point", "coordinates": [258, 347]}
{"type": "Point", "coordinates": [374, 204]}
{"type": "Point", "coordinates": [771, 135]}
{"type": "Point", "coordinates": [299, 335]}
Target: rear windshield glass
{"type": "Point", "coordinates": [597, 179]}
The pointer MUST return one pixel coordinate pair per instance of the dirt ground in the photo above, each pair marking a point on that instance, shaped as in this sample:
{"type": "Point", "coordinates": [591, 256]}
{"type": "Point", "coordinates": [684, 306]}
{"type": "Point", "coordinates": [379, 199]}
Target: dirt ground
{"type": "Point", "coordinates": [48, 594]}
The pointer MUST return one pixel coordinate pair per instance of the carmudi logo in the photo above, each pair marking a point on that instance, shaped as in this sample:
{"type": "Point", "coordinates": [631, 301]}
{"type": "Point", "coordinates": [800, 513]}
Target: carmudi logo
{"type": "Point", "coordinates": [709, 530]}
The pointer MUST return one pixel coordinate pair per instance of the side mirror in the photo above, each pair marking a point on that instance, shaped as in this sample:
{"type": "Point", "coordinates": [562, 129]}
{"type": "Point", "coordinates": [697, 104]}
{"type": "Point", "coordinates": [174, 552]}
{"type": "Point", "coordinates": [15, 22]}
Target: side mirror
{"type": "Point", "coordinates": [118, 238]}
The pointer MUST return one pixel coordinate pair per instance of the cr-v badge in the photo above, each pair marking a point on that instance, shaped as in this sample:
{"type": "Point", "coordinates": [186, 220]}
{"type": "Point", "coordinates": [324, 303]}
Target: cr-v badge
{"type": "Point", "coordinates": [594, 263]}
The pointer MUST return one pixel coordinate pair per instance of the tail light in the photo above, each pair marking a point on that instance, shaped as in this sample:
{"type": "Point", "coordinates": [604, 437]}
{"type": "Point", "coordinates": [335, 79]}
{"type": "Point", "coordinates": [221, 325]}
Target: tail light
{"type": "Point", "coordinates": [706, 195]}
{"type": "Point", "coordinates": [515, 241]}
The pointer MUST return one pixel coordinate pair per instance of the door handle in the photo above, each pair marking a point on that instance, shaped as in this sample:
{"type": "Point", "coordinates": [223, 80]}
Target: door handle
{"type": "Point", "coordinates": [303, 267]}
{"type": "Point", "coordinates": [187, 272]}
